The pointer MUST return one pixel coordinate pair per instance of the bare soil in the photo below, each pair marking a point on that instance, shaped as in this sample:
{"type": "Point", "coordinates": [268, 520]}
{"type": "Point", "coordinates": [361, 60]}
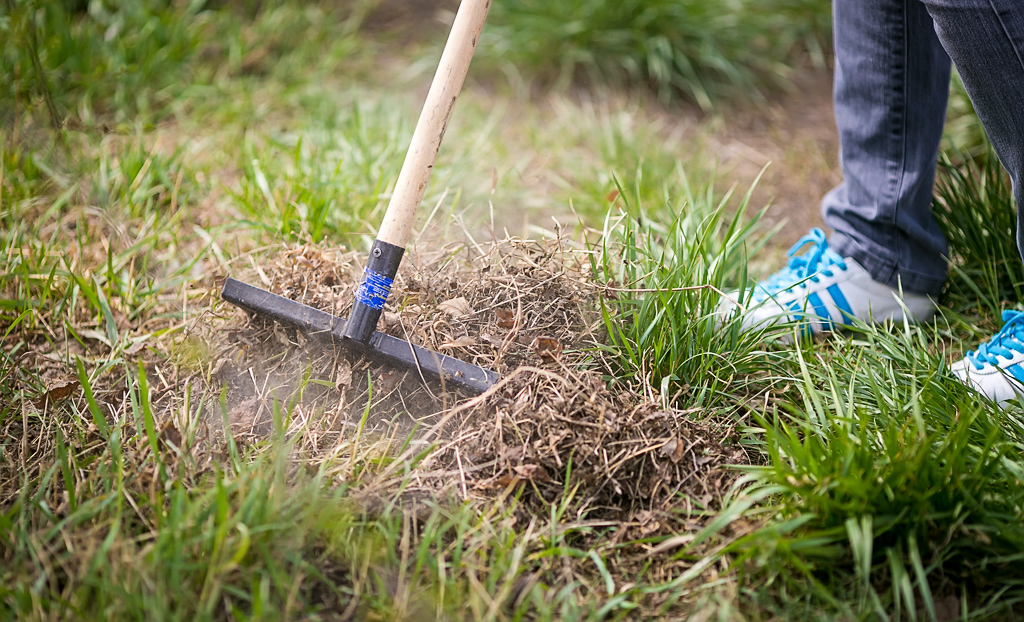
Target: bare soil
{"type": "Point", "coordinates": [795, 136]}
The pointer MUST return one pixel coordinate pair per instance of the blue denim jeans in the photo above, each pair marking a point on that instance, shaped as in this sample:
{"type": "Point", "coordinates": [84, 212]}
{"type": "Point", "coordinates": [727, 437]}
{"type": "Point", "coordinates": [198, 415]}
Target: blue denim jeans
{"type": "Point", "coordinates": [891, 88]}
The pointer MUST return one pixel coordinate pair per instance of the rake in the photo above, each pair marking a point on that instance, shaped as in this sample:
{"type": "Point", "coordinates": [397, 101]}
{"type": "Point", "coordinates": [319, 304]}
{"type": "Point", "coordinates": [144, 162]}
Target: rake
{"type": "Point", "coordinates": [358, 333]}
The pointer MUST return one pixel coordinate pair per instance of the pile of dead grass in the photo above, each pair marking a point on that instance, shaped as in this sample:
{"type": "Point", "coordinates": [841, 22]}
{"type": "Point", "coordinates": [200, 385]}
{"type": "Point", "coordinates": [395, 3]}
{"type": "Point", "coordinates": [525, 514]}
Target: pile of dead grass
{"type": "Point", "coordinates": [568, 433]}
{"type": "Point", "coordinates": [552, 428]}
{"type": "Point", "coordinates": [500, 306]}
{"type": "Point", "coordinates": [514, 303]}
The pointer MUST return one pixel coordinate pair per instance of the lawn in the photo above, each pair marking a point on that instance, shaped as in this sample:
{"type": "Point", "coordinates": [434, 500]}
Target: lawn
{"type": "Point", "coordinates": [165, 456]}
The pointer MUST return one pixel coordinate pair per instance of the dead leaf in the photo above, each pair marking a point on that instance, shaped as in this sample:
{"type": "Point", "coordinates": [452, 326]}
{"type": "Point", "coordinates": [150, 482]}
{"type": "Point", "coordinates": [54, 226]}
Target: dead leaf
{"type": "Point", "coordinates": [525, 337]}
{"type": "Point", "coordinates": [219, 366]}
{"type": "Point", "coordinates": [137, 346]}
{"type": "Point", "coordinates": [502, 482]}
{"type": "Point", "coordinates": [614, 194]}
{"type": "Point", "coordinates": [673, 450]}
{"type": "Point", "coordinates": [461, 342]}
{"type": "Point", "coordinates": [506, 318]}
{"type": "Point", "coordinates": [532, 472]}
{"type": "Point", "coordinates": [649, 523]}
{"type": "Point", "coordinates": [57, 391]}
{"type": "Point", "coordinates": [491, 339]}
{"type": "Point", "coordinates": [512, 453]}
{"type": "Point", "coordinates": [95, 334]}
{"type": "Point", "coordinates": [456, 307]}
{"type": "Point", "coordinates": [343, 375]}
{"type": "Point", "coordinates": [671, 543]}
{"type": "Point", "coordinates": [548, 348]}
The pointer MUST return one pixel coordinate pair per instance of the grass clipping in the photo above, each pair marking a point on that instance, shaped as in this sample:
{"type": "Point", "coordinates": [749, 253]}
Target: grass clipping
{"type": "Point", "coordinates": [550, 430]}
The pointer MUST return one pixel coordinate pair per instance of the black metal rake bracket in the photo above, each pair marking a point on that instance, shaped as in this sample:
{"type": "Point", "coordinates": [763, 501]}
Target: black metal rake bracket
{"type": "Point", "coordinates": [325, 327]}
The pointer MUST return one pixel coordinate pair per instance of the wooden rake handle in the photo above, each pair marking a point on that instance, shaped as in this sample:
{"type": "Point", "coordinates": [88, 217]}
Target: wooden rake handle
{"type": "Point", "coordinates": [388, 248]}
{"type": "Point", "coordinates": [437, 110]}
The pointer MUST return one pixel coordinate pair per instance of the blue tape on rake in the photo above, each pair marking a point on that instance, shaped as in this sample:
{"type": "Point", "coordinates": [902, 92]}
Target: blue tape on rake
{"type": "Point", "coordinates": [374, 289]}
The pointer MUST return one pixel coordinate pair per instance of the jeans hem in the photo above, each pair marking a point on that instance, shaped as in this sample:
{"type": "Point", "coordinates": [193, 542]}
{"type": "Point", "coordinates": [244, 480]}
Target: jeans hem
{"type": "Point", "coordinates": [885, 270]}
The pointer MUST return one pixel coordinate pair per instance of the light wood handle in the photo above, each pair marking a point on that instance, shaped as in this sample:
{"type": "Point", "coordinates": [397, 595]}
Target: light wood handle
{"type": "Point", "coordinates": [437, 110]}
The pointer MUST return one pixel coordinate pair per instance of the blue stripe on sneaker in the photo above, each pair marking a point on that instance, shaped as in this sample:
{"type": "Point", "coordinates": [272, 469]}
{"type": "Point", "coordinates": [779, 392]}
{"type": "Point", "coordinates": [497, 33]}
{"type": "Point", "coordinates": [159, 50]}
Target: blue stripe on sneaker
{"type": "Point", "coordinates": [798, 318]}
{"type": "Point", "coordinates": [820, 310]}
{"type": "Point", "coordinates": [845, 310]}
{"type": "Point", "coordinates": [1017, 372]}
{"type": "Point", "coordinates": [797, 311]}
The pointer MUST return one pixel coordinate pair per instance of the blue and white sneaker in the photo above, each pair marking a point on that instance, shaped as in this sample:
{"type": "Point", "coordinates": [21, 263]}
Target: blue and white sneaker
{"type": "Point", "coordinates": [995, 368]}
{"type": "Point", "coordinates": [819, 290]}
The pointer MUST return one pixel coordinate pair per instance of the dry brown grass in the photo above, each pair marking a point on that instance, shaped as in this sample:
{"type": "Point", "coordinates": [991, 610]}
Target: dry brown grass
{"type": "Point", "coordinates": [552, 428]}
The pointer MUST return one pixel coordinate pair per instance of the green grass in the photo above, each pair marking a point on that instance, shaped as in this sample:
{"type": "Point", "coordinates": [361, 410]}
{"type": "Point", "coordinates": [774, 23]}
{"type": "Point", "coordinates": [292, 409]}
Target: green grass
{"type": "Point", "coordinates": [199, 140]}
{"type": "Point", "coordinates": [331, 181]}
{"type": "Point", "coordinates": [120, 60]}
{"type": "Point", "coordinates": [105, 64]}
{"type": "Point", "coordinates": [963, 134]}
{"type": "Point", "coordinates": [666, 328]}
{"type": "Point", "coordinates": [888, 488]}
{"type": "Point", "coordinates": [975, 208]}
{"type": "Point", "coordinates": [890, 484]}
{"type": "Point", "coordinates": [647, 159]}
{"type": "Point", "coordinates": [707, 52]}
{"type": "Point", "coordinates": [161, 539]}
{"type": "Point", "coordinates": [135, 522]}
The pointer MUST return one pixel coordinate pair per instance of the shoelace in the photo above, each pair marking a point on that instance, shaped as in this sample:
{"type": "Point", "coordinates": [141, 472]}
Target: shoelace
{"type": "Point", "coordinates": [819, 261]}
{"type": "Point", "coordinates": [1008, 341]}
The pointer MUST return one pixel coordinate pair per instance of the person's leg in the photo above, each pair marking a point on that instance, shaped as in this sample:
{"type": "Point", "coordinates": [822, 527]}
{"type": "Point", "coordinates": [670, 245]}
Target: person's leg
{"type": "Point", "coordinates": [891, 87]}
{"type": "Point", "coordinates": [887, 258]}
{"type": "Point", "coordinates": [985, 39]}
